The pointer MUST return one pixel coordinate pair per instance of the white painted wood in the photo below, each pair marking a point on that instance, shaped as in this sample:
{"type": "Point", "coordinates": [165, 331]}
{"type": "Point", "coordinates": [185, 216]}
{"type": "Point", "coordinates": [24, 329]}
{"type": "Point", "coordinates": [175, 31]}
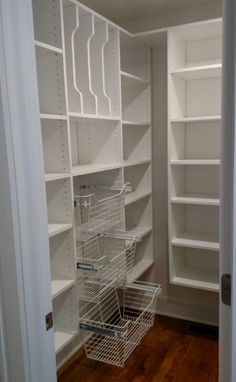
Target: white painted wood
{"type": "Point", "coordinates": [26, 347]}
{"type": "Point", "coordinates": [227, 353]}
{"type": "Point", "coordinates": [98, 42]}
{"type": "Point", "coordinates": [55, 229]}
{"type": "Point", "coordinates": [194, 86]}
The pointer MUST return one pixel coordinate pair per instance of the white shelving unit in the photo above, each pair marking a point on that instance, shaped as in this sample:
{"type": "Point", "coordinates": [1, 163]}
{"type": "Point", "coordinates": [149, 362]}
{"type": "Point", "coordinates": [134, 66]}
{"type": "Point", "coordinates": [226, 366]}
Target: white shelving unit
{"type": "Point", "coordinates": [194, 78]}
{"type": "Point", "coordinates": [137, 152]}
{"type": "Point", "coordinates": [95, 110]}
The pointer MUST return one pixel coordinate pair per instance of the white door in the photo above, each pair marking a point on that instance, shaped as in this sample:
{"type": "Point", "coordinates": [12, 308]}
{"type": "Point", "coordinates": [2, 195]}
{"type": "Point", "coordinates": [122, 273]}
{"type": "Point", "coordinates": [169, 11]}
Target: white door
{"type": "Point", "coordinates": [227, 372]}
{"type": "Point", "coordinates": [26, 345]}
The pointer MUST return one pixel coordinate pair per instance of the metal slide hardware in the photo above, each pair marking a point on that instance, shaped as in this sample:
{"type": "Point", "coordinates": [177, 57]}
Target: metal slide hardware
{"type": "Point", "coordinates": [226, 289]}
{"type": "Point", "coordinates": [87, 267]}
{"type": "Point", "coordinates": [102, 331]}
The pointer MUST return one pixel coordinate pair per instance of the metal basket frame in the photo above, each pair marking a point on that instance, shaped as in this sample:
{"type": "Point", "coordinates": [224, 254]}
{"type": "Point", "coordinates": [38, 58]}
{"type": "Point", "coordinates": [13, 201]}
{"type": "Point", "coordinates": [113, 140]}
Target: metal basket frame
{"type": "Point", "coordinates": [115, 326]}
{"type": "Point", "coordinates": [104, 261]}
{"type": "Point", "coordinates": [96, 215]}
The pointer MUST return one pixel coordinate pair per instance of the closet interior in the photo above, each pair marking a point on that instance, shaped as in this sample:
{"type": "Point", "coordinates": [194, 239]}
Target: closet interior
{"type": "Point", "coordinates": [96, 107]}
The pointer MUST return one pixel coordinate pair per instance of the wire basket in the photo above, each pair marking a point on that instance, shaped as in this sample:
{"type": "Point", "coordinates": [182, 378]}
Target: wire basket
{"type": "Point", "coordinates": [114, 327]}
{"type": "Point", "coordinates": [99, 208]}
{"type": "Point", "coordinates": [104, 261]}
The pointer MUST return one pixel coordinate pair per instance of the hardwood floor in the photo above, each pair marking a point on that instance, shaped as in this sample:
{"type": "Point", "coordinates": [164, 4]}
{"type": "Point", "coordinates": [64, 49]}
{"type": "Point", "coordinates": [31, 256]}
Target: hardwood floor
{"type": "Point", "coordinates": [166, 354]}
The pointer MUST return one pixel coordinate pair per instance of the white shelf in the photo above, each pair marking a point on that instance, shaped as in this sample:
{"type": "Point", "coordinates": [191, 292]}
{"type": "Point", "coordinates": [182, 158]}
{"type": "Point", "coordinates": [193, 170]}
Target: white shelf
{"type": "Point", "coordinates": [208, 118]}
{"type": "Point", "coordinates": [197, 278]}
{"type": "Point", "coordinates": [92, 168]}
{"type": "Point", "coordinates": [94, 116]}
{"type": "Point", "coordinates": [199, 72]}
{"type": "Point", "coordinates": [134, 123]}
{"type": "Point", "coordinates": [51, 177]}
{"type": "Point", "coordinates": [46, 49]}
{"type": "Point", "coordinates": [142, 231]}
{"type": "Point", "coordinates": [57, 117]}
{"type": "Point", "coordinates": [197, 240]}
{"type": "Point", "coordinates": [196, 199]}
{"type": "Point", "coordinates": [136, 195]}
{"type": "Point", "coordinates": [59, 286]}
{"type": "Point", "coordinates": [208, 162]}
{"type": "Point", "coordinates": [128, 79]}
{"type": "Point", "coordinates": [136, 163]}
{"type": "Point", "coordinates": [55, 229]}
{"type": "Point", "coordinates": [62, 338]}
{"type": "Point", "coordinates": [138, 270]}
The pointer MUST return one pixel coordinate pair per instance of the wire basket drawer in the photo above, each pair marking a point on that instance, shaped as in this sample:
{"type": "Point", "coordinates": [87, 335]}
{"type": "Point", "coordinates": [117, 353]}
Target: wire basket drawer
{"type": "Point", "coordinates": [98, 209]}
{"type": "Point", "coordinates": [114, 327]}
{"type": "Point", "coordinates": [103, 261]}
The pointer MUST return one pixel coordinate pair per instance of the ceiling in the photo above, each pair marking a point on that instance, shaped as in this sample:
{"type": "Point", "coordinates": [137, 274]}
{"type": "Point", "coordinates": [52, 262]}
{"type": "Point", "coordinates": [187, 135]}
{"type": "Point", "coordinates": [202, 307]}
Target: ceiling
{"type": "Point", "coordinates": [122, 11]}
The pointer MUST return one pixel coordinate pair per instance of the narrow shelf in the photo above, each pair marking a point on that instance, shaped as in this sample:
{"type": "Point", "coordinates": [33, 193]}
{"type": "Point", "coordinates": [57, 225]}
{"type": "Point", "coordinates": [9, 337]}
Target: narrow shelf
{"type": "Point", "coordinates": [141, 231]}
{"type": "Point", "coordinates": [46, 49]}
{"type": "Point", "coordinates": [92, 168]}
{"type": "Point", "coordinates": [197, 240]}
{"type": "Point", "coordinates": [94, 116]}
{"type": "Point", "coordinates": [136, 195]}
{"type": "Point", "coordinates": [62, 338]}
{"type": "Point", "coordinates": [197, 278]}
{"type": "Point", "coordinates": [201, 199]}
{"type": "Point", "coordinates": [136, 123]}
{"type": "Point", "coordinates": [59, 286]}
{"type": "Point", "coordinates": [138, 270]}
{"type": "Point", "coordinates": [208, 118]}
{"type": "Point", "coordinates": [136, 163]}
{"type": "Point", "coordinates": [55, 229]}
{"type": "Point", "coordinates": [128, 79]}
{"type": "Point", "coordinates": [199, 72]}
{"type": "Point", "coordinates": [211, 162]}
{"type": "Point", "coordinates": [51, 177]}
{"type": "Point", "coordinates": [57, 117]}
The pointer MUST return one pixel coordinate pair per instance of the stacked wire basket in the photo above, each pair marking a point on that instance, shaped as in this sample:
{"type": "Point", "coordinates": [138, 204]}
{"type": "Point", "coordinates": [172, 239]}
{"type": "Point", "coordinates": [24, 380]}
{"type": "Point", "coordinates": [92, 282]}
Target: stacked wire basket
{"type": "Point", "coordinates": [114, 315]}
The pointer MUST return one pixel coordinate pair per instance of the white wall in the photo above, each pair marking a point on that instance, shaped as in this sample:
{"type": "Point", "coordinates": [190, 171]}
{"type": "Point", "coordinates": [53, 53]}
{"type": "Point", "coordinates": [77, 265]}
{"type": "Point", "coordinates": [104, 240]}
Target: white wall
{"type": "Point", "coordinates": [188, 15]}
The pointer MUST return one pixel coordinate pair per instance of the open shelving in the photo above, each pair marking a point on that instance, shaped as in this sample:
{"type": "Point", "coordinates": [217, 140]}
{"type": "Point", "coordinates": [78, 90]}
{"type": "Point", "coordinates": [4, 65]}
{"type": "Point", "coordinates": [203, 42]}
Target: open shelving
{"type": "Point", "coordinates": [94, 85]}
{"type": "Point", "coordinates": [194, 83]}
{"type": "Point", "coordinates": [65, 318]}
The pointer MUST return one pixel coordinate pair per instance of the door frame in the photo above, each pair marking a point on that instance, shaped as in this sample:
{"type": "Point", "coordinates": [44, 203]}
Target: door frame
{"type": "Point", "coordinates": [227, 340]}
{"type": "Point", "coordinates": [26, 348]}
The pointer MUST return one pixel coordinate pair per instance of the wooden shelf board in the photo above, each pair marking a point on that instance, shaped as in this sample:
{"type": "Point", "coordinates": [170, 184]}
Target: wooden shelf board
{"type": "Point", "coordinates": [136, 195]}
{"type": "Point", "coordinates": [136, 123]}
{"type": "Point", "coordinates": [196, 199]}
{"type": "Point", "coordinates": [208, 118]}
{"type": "Point", "coordinates": [127, 163]}
{"type": "Point", "coordinates": [141, 231]}
{"type": "Point", "coordinates": [85, 117]}
{"type": "Point", "coordinates": [44, 49]}
{"type": "Point", "coordinates": [197, 240]}
{"type": "Point", "coordinates": [129, 78]}
{"type": "Point", "coordinates": [199, 72]}
{"type": "Point", "coordinates": [57, 117]}
{"type": "Point", "coordinates": [208, 162]}
{"type": "Point", "coordinates": [197, 278]}
{"type": "Point", "coordinates": [92, 168]}
{"type": "Point", "coordinates": [139, 269]}
{"type": "Point", "coordinates": [59, 286]}
{"type": "Point", "coordinates": [62, 338]}
{"type": "Point", "coordinates": [51, 177]}
{"type": "Point", "coordinates": [55, 229]}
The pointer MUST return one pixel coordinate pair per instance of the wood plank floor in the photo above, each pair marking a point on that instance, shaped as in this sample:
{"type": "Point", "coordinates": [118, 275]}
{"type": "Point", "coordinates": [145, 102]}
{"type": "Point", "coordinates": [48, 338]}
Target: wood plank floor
{"type": "Point", "coordinates": [166, 354]}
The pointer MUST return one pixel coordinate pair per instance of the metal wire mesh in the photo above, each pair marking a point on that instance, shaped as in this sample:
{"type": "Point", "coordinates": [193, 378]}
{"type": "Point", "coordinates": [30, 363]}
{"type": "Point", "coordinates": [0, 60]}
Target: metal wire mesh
{"type": "Point", "coordinates": [103, 261]}
{"type": "Point", "coordinates": [115, 326]}
{"type": "Point", "coordinates": [98, 209]}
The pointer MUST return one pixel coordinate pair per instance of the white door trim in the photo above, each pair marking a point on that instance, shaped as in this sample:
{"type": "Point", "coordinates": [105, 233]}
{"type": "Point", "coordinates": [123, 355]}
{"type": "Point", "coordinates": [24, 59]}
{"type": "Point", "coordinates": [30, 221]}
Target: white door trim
{"type": "Point", "coordinates": [26, 348]}
{"type": "Point", "coordinates": [227, 354]}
